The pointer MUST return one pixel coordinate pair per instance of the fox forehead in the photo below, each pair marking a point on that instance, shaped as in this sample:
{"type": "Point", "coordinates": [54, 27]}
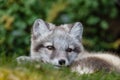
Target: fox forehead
{"type": "Point", "coordinates": [59, 41]}
{"type": "Point", "coordinates": [59, 37]}
{"type": "Point", "coordinates": [62, 44]}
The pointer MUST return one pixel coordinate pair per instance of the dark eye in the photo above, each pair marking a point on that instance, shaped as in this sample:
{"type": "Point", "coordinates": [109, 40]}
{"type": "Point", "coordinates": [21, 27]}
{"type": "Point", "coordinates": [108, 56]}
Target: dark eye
{"type": "Point", "coordinates": [69, 50]}
{"type": "Point", "coordinates": [50, 47]}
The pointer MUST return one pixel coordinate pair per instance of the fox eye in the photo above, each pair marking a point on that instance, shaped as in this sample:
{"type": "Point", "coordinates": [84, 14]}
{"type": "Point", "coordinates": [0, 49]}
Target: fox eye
{"type": "Point", "coordinates": [50, 47]}
{"type": "Point", "coordinates": [69, 50]}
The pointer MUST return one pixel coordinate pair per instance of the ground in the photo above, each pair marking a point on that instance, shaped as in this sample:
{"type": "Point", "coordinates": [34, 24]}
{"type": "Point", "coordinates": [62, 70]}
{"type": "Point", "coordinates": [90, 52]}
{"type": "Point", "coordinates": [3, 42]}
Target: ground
{"type": "Point", "coordinates": [10, 70]}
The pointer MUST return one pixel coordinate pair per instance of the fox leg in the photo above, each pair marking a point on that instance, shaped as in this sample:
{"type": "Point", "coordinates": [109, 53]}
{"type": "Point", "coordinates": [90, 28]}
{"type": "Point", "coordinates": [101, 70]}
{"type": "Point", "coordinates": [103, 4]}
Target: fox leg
{"type": "Point", "coordinates": [24, 59]}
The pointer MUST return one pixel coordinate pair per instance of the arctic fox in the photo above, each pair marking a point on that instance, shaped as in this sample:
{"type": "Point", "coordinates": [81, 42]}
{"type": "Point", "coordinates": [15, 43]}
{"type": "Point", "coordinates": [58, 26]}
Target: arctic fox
{"type": "Point", "coordinates": [62, 46]}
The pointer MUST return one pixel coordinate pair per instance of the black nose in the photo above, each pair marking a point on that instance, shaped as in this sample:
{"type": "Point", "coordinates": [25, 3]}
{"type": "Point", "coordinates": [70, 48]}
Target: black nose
{"type": "Point", "coordinates": [62, 62]}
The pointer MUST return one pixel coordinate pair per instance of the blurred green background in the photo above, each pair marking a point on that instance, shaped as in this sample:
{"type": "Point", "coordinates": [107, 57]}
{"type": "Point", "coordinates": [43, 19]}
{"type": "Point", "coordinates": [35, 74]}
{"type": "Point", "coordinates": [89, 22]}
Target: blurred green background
{"type": "Point", "coordinates": [101, 20]}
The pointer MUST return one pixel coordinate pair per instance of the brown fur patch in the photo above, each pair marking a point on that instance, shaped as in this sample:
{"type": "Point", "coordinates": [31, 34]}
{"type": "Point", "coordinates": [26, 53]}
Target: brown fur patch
{"type": "Point", "coordinates": [77, 50]}
{"type": "Point", "coordinates": [38, 47]}
{"type": "Point", "coordinates": [94, 63]}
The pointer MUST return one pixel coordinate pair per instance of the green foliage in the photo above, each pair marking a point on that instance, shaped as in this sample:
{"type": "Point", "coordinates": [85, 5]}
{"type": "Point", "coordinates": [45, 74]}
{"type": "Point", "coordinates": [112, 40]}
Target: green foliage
{"type": "Point", "coordinates": [9, 70]}
{"type": "Point", "coordinates": [17, 17]}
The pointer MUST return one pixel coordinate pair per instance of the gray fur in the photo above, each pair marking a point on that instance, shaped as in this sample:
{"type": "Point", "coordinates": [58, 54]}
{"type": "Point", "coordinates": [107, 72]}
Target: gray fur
{"type": "Point", "coordinates": [94, 63]}
{"type": "Point", "coordinates": [61, 40]}
{"type": "Point", "coordinates": [77, 30]}
{"type": "Point", "coordinates": [51, 44]}
{"type": "Point", "coordinates": [39, 27]}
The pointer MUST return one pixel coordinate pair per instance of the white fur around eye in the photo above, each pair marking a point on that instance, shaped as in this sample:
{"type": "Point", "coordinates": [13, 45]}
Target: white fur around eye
{"type": "Point", "coordinates": [71, 46]}
{"type": "Point", "coordinates": [48, 44]}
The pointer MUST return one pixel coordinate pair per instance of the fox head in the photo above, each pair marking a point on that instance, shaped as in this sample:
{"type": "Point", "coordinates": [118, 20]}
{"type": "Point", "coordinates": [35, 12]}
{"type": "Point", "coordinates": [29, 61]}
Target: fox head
{"type": "Point", "coordinates": [57, 45]}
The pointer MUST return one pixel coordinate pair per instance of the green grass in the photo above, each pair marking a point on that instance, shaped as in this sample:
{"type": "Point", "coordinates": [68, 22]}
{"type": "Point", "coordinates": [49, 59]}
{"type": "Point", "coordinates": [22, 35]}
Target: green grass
{"type": "Point", "coordinates": [10, 70]}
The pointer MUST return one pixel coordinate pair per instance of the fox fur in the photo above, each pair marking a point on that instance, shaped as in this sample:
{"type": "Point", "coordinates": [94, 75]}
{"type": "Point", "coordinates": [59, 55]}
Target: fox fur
{"type": "Point", "coordinates": [62, 46]}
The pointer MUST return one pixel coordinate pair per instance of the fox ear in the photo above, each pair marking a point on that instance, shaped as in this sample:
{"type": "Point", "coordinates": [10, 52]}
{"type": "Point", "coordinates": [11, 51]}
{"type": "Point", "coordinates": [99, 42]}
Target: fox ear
{"type": "Point", "coordinates": [77, 30]}
{"type": "Point", "coordinates": [39, 28]}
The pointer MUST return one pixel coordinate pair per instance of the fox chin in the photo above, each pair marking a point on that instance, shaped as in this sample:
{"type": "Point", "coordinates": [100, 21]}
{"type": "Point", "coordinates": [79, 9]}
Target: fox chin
{"type": "Point", "coordinates": [62, 46]}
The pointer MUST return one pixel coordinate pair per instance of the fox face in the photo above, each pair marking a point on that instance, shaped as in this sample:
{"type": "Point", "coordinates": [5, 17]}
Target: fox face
{"type": "Point", "coordinates": [57, 45]}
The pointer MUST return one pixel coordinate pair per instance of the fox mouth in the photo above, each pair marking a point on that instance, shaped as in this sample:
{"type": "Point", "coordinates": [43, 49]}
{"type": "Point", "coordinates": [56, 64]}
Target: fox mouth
{"type": "Point", "coordinates": [56, 66]}
{"type": "Point", "coordinates": [60, 66]}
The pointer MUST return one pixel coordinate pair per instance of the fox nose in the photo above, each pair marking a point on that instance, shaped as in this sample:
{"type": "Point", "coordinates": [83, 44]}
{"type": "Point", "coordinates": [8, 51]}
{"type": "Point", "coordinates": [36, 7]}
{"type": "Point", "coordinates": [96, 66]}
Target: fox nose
{"type": "Point", "coordinates": [62, 62]}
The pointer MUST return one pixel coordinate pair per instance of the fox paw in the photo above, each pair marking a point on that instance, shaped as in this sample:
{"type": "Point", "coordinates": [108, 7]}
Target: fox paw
{"type": "Point", "coordinates": [23, 59]}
